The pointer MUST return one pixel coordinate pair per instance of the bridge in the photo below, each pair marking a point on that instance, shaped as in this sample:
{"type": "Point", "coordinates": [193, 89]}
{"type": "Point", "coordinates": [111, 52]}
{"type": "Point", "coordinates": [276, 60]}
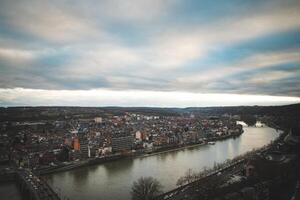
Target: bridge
{"type": "Point", "coordinates": [31, 186]}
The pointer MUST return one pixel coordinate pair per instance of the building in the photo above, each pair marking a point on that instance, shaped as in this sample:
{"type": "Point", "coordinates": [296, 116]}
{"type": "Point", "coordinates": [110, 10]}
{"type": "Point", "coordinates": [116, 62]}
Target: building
{"type": "Point", "coordinates": [76, 144]}
{"type": "Point", "coordinates": [122, 143]}
{"type": "Point", "coordinates": [271, 164]}
{"type": "Point", "coordinates": [83, 144]}
{"type": "Point", "coordinates": [98, 120]}
{"type": "Point", "coordinates": [92, 151]}
{"type": "Point", "coordinates": [68, 142]}
{"type": "Point", "coordinates": [140, 135]}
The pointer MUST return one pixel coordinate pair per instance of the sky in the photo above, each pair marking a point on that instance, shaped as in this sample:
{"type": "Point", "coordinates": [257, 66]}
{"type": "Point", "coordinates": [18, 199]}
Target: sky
{"type": "Point", "coordinates": [170, 53]}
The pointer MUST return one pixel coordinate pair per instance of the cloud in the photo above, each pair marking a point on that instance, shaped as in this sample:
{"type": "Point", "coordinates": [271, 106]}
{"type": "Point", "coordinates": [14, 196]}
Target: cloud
{"type": "Point", "coordinates": [136, 10]}
{"type": "Point", "coordinates": [247, 64]}
{"type": "Point", "coordinates": [20, 96]}
{"type": "Point", "coordinates": [48, 21]}
{"type": "Point", "coordinates": [16, 56]}
{"type": "Point", "coordinates": [179, 46]}
{"type": "Point", "coordinates": [269, 77]}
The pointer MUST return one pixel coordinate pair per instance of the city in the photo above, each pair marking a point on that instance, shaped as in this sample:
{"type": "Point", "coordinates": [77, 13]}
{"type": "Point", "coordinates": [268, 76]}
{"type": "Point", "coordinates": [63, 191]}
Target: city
{"type": "Point", "coordinates": [42, 144]}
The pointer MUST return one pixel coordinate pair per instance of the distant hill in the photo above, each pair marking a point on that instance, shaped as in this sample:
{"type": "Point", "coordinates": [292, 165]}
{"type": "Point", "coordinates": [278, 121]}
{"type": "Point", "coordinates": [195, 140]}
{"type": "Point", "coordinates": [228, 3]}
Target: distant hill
{"type": "Point", "coordinates": [60, 113]}
{"type": "Point", "coordinates": [286, 110]}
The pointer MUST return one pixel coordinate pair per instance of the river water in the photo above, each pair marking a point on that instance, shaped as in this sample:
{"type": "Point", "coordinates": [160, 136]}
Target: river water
{"type": "Point", "coordinates": [113, 180]}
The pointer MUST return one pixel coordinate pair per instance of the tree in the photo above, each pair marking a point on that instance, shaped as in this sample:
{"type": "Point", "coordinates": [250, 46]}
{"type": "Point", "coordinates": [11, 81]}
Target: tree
{"type": "Point", "coordinates": [188, 177]}
{"type": "Point", "coordinates": [145, 188]}
{"type": "Point", "coordinates": [250, 120]}
{"type": "Point", "coordinates": [181, 181]}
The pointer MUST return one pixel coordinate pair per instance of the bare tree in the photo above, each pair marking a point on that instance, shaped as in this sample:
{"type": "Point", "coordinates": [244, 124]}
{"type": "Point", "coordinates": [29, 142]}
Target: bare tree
{"type": "Point", "coordinates": [181, 181]}
{"type": "Point", "coordinates": [189, 176]}
{"type": "Point", "coordinates": [145, 188]}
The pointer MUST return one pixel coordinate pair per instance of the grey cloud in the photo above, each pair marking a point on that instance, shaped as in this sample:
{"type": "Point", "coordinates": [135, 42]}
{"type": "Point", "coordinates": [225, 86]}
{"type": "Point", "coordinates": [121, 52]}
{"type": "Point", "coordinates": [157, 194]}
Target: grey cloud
{"type": "Point", "coordinates": [57, 45]}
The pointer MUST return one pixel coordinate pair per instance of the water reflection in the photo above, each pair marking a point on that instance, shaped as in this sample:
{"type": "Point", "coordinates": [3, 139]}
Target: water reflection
{"type": "Point", "coordinates": [80, 176]}
{"type": "Point", "coordinates": [116, 167]}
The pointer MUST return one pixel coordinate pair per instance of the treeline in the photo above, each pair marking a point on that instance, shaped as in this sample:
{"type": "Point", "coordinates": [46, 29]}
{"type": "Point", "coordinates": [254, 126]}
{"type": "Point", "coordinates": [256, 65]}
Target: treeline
{"type": "Point", "coordinates": [286, 110]}
{"type": "Point", "coordinates": [291, 113]}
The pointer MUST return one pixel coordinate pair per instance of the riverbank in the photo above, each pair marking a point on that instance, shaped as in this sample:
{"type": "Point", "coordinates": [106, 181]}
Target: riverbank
{"type": "Point", "coordinates": [233, 166]}
{"type": "Point", "coordinates": [191, 146]}
{"type": "Point", "coordinates": [101, 160]}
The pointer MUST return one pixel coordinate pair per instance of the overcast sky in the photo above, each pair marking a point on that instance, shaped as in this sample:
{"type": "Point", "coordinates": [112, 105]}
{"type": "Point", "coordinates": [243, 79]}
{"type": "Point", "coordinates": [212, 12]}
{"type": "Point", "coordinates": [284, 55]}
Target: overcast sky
{"type": "Point", "coordinates": [149, 52]}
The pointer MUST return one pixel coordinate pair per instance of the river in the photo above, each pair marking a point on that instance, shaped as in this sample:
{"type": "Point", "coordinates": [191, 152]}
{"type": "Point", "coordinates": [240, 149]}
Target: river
{"type": "Point", "coordinates": [113, 180]}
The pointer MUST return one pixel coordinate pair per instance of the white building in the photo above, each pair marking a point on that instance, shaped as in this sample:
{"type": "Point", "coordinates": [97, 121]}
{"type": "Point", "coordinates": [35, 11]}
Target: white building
{"type": "Point", "coordinates": [138, 135]}
{"type": "Point", "coordinates": [98, 120]}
